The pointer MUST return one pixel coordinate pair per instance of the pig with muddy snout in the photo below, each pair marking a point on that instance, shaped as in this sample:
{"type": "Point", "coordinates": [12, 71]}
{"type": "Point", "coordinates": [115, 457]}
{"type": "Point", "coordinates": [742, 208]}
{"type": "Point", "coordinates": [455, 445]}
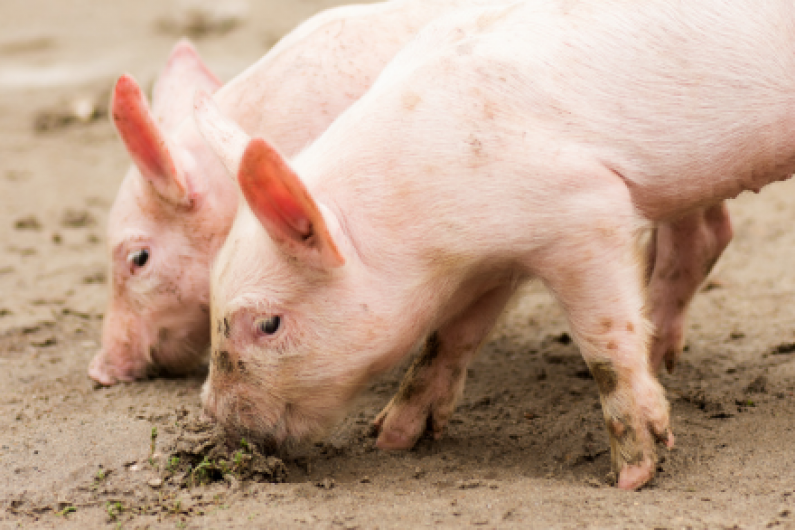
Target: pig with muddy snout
{"type": "Point", "coordinates": [540, 141]}
{"type": "Point", "coordinates": [176, 204]}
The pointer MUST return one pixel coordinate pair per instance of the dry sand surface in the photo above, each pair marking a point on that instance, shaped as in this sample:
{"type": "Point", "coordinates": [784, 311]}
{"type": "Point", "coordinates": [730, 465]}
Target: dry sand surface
{"type": "Point", "coordinates": [526, 448]}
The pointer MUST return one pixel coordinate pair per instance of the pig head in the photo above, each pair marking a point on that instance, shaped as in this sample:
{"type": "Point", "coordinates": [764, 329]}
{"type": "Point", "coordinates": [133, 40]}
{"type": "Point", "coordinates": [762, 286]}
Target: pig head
{"type": "Point", "coordinates": [167, 221]}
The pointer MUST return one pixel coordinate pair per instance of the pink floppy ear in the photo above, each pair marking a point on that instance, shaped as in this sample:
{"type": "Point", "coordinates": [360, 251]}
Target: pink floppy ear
{"type": "Point", "coordinates": [284, 207]}
{"type": "Point", "coordinates": [146, 142]}
{"type": "Point", "coordinates": [173, 93]}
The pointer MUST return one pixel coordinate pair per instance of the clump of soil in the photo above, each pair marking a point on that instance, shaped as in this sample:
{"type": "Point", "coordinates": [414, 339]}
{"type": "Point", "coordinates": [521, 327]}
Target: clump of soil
{"type": "Point", "coordinates": [200, 18]}
{"type": "Point", "coordinates": [29, 222]}
{"type": "Point", "coordinates": [77, 219]}
{"type": "Point", "coordinates": [79, 110]}
{"type": "Point", "coordinates": [202, 455]}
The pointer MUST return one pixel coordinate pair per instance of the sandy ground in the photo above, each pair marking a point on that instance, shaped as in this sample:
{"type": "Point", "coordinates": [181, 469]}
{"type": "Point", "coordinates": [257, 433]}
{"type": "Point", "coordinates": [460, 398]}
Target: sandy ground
{"type": "Point", "coordinates": [526, 448]}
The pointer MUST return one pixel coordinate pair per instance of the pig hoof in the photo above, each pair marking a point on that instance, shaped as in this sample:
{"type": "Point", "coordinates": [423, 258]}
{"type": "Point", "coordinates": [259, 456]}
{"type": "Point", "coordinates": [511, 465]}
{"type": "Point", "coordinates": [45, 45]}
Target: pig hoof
{"type": "Point", "coordinates": [394, 441]}
{"type": "Point", "coordinates": [403, 422]}
{"type": "Point", "coordinates": [100, 376]}
{"type": "Point", "coordinates": [106, 375]}
{"type": "Point", "coordinates": [637, 419]}
{"type": "Point", "coordinates": [668, 345]}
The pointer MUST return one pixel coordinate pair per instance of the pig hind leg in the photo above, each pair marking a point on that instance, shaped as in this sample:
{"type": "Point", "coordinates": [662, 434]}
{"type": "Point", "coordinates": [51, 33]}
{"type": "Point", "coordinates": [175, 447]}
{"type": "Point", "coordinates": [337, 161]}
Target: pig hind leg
{"type": "Point", "coordinates": [430, 389]}
{"type": "Point", "coordinates": [686, 250]}
{"type": "Point", "coordinates": [596, 271]}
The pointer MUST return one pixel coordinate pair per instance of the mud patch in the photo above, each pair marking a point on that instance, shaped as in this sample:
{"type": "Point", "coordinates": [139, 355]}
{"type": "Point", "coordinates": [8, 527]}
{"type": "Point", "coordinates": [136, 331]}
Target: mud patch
{"type": "Point", "coordinates": [77, 219]}
{"type": "Point", "coordinates": [201, 18]}
{"type": "Point", "coordinates": [30, 222]}
{"type": "Point", "coordinates": [202, 455]}
{"type": "Point", "coordinates": [79, 110]}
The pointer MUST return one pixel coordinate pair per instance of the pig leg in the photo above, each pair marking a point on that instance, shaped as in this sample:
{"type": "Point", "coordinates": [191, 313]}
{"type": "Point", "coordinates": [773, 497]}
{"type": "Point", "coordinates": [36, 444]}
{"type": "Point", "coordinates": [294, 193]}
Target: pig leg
{"type": "Point", "coordinates": [430, 389]}
{"type": "Point", "coordinates": [686, 251]}
{"type": "Point", "coordinates": [597, 274]}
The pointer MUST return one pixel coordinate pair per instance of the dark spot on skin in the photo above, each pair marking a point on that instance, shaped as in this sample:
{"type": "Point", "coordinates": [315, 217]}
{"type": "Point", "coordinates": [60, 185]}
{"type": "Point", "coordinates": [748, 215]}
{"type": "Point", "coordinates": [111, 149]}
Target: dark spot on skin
{"type": "Point", "coordinates": [477, 146]}
{"type": "Point", "coordinates": [630, 327]}
{"type": "Point", "coordinates": [605, 376]}
{"type": "Point", "coordinates": [411, 386]}
{"type": "Point", "coordinates": [219, 328]}
{"type": "Point", "coordinates": [606, 324]}
{"type": "Point", "coordinates": [611, 345]}
{"type": "Point", "coordinates": [241, 366]}
{"type": "Point", "coordinates": [680, 304]}
{"type": "Point", "coordinates": [410, 100]}
{"type": "Point", "coordinates": [162, 335]}
{"type": "Point", "coordinates": [227, 332]}
{"type": "Point", "coordinates": [222, 362]}
{"type": "Point", "coordinates": [617, 428]}
{"type": "Point", "coordinates": [414, 382]}
{"type": "Point", "coordinates": [432, 347]}
{"type": "Point", "coordinates": [204, 309]}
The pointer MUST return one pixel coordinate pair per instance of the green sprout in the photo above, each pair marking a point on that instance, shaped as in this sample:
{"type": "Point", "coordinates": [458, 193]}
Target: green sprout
{"type": "Point", "coordinates": [65, 511]}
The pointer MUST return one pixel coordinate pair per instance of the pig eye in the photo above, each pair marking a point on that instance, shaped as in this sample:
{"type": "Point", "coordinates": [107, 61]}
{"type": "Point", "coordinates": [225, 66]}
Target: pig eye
{"type": "Point", "coordinates": [270, 325]}
{"type": "Point", "coordinates": [138, 258]}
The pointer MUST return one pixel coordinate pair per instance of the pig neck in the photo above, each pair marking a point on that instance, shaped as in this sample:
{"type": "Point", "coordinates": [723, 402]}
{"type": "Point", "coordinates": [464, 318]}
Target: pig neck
{"type": "Point", "coordinates": [420, 259]}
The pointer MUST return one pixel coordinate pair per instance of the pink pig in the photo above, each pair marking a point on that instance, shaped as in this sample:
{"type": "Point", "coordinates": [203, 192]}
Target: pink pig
{"type": "Point", "coordinates": [176, 203]}
{"type": "Point", "coordinates": [542, 140]}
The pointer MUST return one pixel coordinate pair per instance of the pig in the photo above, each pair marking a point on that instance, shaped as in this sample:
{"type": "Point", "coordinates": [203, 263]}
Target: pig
{"type": "Point", "coordinates": [542, 140]}
{"type": "Point", "coordinates": [176, 203]}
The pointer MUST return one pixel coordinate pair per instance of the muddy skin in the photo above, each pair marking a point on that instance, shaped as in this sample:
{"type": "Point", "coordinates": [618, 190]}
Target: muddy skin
{"type": "Point", "coordinates": [413, 385]}
{"type": "Point", "coordinates": [222, 362]}
{"type": "Point", "coordinates": [432, 348]}
{"type": "Point", "coordinates": [605, 376]}
{"type": "Point", "coordinates": [623, 444]}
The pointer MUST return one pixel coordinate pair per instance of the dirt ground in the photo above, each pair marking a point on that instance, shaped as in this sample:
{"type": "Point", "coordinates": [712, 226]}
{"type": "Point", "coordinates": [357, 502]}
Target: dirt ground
{"type": "Point", "coordinates": [526, 448]}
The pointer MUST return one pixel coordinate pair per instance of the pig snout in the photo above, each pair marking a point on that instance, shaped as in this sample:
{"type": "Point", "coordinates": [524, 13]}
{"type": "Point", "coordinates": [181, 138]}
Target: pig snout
{"type": "Point", "coordinates": [121, 358]}
{"type": "Point", "coordinates": [130, 351]}
{"type": "Point", "coordinates": [239, 415]}
{"type": "Point", "coordinates": [116, 365]}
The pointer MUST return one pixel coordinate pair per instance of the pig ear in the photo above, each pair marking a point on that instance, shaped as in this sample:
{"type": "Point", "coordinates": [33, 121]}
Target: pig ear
{"type": "Point", "coordinates": [146, 142]}
{"type": "Point", "coordinates": [223, 135]}
{"type": "Point", "coordinates": [184, 73]}
{"type": "Point", "coordinates": [284, 207]}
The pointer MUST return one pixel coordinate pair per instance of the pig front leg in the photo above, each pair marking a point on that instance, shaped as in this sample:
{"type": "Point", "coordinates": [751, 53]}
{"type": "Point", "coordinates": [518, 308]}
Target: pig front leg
{"type": "Point", "coordinates": [430, 389]}
{"type": "Point", "coordinates": [597, 274]}
{"type": "Point", "coordinates": [686, 250]}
